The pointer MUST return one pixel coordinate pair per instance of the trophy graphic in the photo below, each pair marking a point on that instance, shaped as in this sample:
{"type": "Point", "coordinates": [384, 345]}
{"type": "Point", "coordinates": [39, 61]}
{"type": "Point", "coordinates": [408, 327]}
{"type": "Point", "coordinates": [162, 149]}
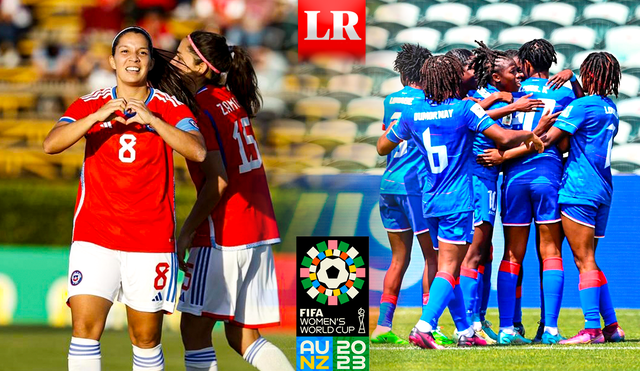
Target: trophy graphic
{"type": "Point", "coordinates": [361, 319]}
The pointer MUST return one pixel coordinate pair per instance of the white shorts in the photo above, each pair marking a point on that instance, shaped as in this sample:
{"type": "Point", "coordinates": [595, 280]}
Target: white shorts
{"type": "Point", "coordinates": [142, 281]}
{"type": "Point", "coordinates": [237, 286]}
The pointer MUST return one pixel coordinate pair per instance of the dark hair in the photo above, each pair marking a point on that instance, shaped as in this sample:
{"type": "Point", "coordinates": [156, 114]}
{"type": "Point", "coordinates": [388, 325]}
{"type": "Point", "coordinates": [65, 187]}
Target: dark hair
{"type": "Point", "coordinates": [485, 63]}
{"type": "Point", "coordinates": [441, 77]}
{"type": "Point", "coordinates": [164, 75]}
{"type": "Point", "coordinates": [511, 53]}
{"type": "Point", "coordinates": [601, 74]}
{"type": "Point", "coordinates": [540, 53]}
{"type": "Point", "coordinates": [241, 78]}
{"type": "Point", "coordinates": [463, 55]}
{"type": "Point", "coordinates": [409, 61]}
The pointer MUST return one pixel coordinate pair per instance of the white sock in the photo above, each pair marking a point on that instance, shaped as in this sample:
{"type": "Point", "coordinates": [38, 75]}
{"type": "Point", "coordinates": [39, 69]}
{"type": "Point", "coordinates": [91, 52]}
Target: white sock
{"type": "Point", "coordinates": [84, 355]}
{"type": "Point", "coordinates": [148, 359]}
{"type": "Point", "coordinates": [468, 332]}
{"type": "Point", "coordinates": [508, 330]}
{"type": "Point", "coordinates": [201, 360]}
{"type": "Point", "coordinates": [266, 357]}
{"type": "Point", "coordinates": [552, 330]}
{"type": "Point", "coordinates": [424, 326]}
{"type": "Point", "coordinates": [477, 326]}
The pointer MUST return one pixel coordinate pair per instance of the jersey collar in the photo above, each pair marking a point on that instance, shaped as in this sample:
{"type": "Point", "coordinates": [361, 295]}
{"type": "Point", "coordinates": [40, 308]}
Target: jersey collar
{"type": "Point", "coordinates": [146, 102]}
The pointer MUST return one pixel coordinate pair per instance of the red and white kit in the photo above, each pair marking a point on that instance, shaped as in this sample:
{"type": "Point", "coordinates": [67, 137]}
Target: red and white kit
{"type": "Point", "coordinates": [125, 204]}
{"type": "Point", "coordinates": [231, 271]}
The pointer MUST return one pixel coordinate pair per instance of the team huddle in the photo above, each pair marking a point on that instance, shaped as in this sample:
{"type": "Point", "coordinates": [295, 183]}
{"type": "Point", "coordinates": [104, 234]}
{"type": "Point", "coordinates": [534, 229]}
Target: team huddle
{"type": "Point", "coordinates": [197, 101]}
{"type": "Point", "coordinates": [460, 120]}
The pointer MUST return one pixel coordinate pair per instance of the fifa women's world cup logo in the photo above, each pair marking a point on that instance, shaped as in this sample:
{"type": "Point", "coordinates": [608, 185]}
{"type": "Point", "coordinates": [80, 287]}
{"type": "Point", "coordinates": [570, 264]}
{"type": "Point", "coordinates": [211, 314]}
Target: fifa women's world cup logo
{"type": "Point", "coordinates": [332, 272]}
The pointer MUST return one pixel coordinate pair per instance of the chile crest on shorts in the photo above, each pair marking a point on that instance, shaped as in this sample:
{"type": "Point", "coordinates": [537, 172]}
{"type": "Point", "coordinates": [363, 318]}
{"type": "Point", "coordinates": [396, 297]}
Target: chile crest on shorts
{"type": "Point", "coordinates": [332, 297]}
{"type": "Point", "coordinates": [76, 278]}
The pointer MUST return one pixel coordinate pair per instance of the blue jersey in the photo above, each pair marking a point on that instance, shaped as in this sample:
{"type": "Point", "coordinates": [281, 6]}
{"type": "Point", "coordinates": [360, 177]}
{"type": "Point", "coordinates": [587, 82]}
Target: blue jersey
{"type": "Point", "coordinates": [481, 142]}
{"type": "Point", "coordinates": [405, 166]}
{"type": "Point", "coordinates": [543, 167]}
{"type": "Point", "coordinates": [593, 123]}
{"type": "Point", "coordinates": [444, 135]}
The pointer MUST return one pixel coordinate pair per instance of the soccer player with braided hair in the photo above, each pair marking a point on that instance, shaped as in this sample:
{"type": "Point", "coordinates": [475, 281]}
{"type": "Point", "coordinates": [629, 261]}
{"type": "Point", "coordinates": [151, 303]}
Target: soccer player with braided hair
{"type": "Point", "coordinates": [401, 199]}
{"type": "Point", "coordinates": [442, 127]}
{"type": "Point", "coordinates": [585, 195]}
{"type": "Point", "coordinates": [530, 189]}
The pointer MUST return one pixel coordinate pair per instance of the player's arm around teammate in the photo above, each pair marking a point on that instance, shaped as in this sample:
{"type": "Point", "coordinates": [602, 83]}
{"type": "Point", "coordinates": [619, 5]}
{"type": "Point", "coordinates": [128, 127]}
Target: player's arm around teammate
{"type": "Point", "coordinates": [126, 176]}
{"type": "Point", "coordinates": [230, 272]}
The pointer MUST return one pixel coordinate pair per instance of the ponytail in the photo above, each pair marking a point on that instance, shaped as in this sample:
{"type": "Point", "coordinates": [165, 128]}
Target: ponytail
{"type": "Point", "coordinates": [232, 62]}
{"type": "Point", "coordinates": [243, 82]}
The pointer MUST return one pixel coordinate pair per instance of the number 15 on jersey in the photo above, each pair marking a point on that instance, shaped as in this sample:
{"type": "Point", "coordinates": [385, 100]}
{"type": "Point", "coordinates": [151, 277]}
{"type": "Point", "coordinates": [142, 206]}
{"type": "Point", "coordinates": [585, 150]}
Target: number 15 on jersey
{"type": "Point", "coordinates": [247, 145]}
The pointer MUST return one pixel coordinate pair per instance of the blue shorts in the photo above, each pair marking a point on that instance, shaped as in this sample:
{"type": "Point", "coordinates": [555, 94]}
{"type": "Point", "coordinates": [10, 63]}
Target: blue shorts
{"type": "Point", "coordinates": [485, 199]}
{"type": "Point", "coordinates": [586, 212]}
{"type": "Point", "coordinates": [523, 202]}
{"type": "Point", "coordinates": [401, 213]}
{"type": "Point", "coordinates": [456, 229]}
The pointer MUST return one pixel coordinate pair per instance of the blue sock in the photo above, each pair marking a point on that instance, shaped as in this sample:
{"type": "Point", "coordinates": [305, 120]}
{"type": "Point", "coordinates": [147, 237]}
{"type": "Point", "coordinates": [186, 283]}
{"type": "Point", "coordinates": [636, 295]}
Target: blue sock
{"type": "Point", "coordinates": [542, 306]}
{"type": "Point", "coordinates": [469, 286]}
{"type": "Point", "coordinates": [440, 294]}
{"type": "Point", "coordinates": [590, 298]}
{"type": "Point", "coordinates": [457, 309]}
{"type": "Point", "coordinates": [387, 308]}
{"type": "Point", "coordinates": [607, 310]}
{"type": "Point", "coordinates": [517, 312]}
{"type": "Point", "coordinates": [553, 284]}
{"type": "Point", "coordinates": [476, 314]}
{"type": "Point", "coordinates": [507, 281]}
{"type": "Point", "coordinates": [486, 291]}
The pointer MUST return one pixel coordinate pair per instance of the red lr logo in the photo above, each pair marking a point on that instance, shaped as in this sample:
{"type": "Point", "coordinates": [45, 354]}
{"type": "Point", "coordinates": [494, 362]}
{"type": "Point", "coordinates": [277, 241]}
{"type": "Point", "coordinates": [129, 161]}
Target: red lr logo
{"type": "Point", "coordinates": [332, 27]}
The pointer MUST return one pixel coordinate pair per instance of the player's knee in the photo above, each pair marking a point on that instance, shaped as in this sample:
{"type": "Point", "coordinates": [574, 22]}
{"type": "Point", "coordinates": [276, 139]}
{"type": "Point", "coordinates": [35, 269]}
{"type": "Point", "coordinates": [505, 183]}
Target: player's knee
{"type": "Point", "coordinates": [87, 330]}
{"type": "Point", "coordinates": [235, 340]}
{"type": "Point", "coordinates": [145, 339]}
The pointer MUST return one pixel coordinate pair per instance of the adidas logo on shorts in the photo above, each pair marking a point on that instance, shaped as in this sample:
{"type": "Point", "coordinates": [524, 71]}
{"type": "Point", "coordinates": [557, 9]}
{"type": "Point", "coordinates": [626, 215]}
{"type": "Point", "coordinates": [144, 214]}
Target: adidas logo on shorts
{"type": "Point", "coordinates": [158, 297]}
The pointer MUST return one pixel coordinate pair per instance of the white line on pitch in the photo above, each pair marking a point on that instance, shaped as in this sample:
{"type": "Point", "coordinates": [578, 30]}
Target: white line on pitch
{"type": "Point", "coordinates": [589, 347]}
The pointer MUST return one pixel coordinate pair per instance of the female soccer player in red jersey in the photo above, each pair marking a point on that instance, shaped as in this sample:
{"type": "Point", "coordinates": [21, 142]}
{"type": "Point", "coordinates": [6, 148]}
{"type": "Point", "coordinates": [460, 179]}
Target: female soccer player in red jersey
{"type": "Point", "coordinates": [123, 242]}
{"type": "Point", "coordinates": [230, 274]}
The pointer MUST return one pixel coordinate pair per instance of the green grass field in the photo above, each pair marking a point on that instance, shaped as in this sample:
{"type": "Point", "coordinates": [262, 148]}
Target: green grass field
{"type": "Point", "coordinates": [35, 349]}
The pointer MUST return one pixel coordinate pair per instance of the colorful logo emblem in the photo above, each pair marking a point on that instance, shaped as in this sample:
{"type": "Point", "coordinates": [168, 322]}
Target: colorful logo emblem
{"type": "Point", "coordinates": [76, 278]}
{"type": "Point", "coordinates": [332, 272]}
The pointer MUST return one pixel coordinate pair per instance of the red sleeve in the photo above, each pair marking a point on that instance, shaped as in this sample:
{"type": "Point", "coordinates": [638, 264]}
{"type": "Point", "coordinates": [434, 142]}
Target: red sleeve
{"type": "Point", "coordinates": [76, 111]}
{"type": "Point", "coordinates": [207, 130]}
{"type": "Point", "coordinates": [176, 113]}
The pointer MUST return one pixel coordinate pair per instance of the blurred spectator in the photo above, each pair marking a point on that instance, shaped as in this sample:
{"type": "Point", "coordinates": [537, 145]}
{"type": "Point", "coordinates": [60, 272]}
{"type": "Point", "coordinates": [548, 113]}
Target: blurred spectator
{"type": "Point", "coordinates": [13, 18]}
{"type": "Point", "coordinates": [9, 57]}
{"type": "Point", "coordinates": [53, 61]}
{"type": "Point", "coordinates": [93, 67]}
{"type": "Point", "coordinates": [271, 66]}
{"type": "Point", "coordinates": [107, 15]}
{"type": "Point", "coordinates": [250, 31]}
{"type": "Point", "coordinates": [165, 5]}
{"type": "Point", "coordinates": [155, 22]}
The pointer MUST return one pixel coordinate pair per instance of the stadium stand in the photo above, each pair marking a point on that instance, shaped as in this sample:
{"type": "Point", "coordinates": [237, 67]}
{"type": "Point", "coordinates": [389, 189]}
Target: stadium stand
{"type": "Point", "coordinates": [317, 118]}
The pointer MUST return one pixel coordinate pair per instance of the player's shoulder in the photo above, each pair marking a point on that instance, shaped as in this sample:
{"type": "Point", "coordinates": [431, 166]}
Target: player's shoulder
{"type": "Point", "coordinates": [98, 95]}
{"type": "Point", "coordinates": [158, 96]}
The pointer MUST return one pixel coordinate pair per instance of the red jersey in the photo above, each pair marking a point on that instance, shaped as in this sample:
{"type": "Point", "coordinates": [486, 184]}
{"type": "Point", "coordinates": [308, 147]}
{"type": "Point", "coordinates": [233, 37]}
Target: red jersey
{"type": "Point", "coordinates": [244, 217]}
{"type": "Point", "coordinates": [126, 194]}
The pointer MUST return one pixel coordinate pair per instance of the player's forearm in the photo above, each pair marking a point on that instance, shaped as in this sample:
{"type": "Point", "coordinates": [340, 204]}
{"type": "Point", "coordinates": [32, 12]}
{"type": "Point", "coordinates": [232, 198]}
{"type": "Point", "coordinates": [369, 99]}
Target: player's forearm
{"type": "Point", "coordinates": [516, 152]}
{"type": "Point", "coordinates": [513, 138]}
{"type": "Point", "coordinates": [501, 112]}
{"type": "Point", "coordinates": [191, 146]}
{"type": "Point", "coordinates": [577, 89]}
{"type": "Point", "coordinates": [208, 198]}
{"type": "Point", "coordinates": [488, 102]}
{"type": "Point", "coordinates": [64, 136]}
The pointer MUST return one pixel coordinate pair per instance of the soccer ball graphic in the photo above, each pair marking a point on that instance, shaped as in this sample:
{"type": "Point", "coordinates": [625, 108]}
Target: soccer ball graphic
{"type": "Point", "coordinates": [333, 272]}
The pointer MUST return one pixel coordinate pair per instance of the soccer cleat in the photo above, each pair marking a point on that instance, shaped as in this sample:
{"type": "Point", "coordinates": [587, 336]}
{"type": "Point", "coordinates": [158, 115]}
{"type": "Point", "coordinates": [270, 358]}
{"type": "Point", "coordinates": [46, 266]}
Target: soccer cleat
{"type": "Point", "coordinates": [585, 337]}
{"type": "Point", "coordinates": [388, 338]}
{"type": "Point", "coordinates": [485, 336]}
{"type": "Point", "coordinates": [538, 338]}
{"type": "Point", "coordinates": [486, 327]}
{"type": "Point", "coordinates": [475, 340]}
{"type": "Point", "coordinates": [519, 328]}
{"type": "Point", "coordinates": [613, 333]}
{"type": "Point", "coordinates": [441, 339]}
{"type": "Point", "coordinates": [549, 339]}
{"type": "Point", "coordinates": [423, 340]}
{"type": "Point", "coordinates": [512, 339]}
